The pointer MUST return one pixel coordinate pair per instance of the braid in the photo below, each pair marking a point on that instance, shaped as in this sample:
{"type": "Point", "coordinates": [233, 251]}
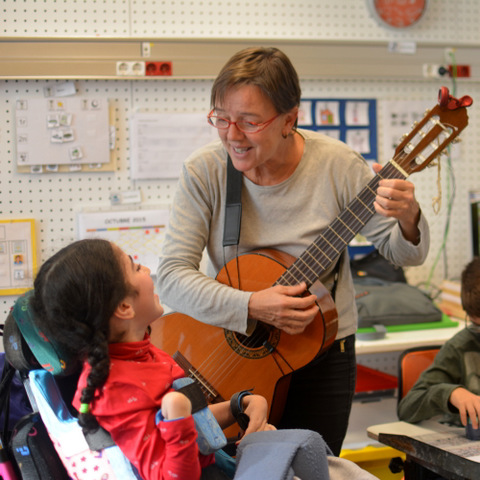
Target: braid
{"type": "Point", "coordinates": [99, 361]}
{"type": "Point", "coordinates": [76, 293]}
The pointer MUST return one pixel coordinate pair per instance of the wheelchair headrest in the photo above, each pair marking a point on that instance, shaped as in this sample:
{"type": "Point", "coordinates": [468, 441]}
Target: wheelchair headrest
{"type": "Point", "coordinates": [27, 347]}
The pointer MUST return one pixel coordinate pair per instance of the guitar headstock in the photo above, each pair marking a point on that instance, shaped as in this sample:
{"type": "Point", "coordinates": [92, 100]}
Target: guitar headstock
{"type": "Point", "coordinates": [430, 136]}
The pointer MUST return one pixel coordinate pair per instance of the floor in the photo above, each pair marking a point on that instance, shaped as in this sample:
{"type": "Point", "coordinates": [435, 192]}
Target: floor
{"type": "Point", "coordinates": [365, 414]}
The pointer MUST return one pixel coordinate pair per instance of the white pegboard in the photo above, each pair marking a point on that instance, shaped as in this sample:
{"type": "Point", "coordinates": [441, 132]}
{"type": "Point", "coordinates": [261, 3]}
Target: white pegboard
{"type": "Point", "coordinates": [65, 18]}
{"type": "Point", "coordinates": [54, 199]}
{"type": "Point", "coordinates": [383, 362]}
{"type": "Point", "coordinates": [444, 21]}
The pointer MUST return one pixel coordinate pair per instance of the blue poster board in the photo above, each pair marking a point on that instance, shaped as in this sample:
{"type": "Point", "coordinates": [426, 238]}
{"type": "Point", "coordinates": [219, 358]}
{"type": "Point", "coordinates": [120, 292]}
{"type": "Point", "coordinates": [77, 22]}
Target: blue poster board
{"type": "Point", "coordinates": [351, 120]}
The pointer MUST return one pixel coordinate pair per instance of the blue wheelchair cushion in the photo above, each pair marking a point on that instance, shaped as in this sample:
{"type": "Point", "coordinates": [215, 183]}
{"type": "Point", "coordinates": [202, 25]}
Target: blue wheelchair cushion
{"type": "Point", "coordinates": [210, 436]}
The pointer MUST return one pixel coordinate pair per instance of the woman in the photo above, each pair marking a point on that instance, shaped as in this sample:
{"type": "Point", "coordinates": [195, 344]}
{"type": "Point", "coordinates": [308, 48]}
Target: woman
{"type": "Point", "coordinates": [294, 183]}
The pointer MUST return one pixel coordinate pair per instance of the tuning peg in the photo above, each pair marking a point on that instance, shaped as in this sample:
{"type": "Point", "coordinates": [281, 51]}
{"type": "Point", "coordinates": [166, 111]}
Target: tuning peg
{"type": "Point", "coordinates": [456, 140]}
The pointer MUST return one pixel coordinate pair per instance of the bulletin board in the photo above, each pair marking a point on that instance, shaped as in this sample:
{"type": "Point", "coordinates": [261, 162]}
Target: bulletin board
{"type": "Point", "coordinates": [353, 121]}
{"type": "Point", "coordinates": [18, 260]}
{"type": "Point", "coordinates": [62, 134]}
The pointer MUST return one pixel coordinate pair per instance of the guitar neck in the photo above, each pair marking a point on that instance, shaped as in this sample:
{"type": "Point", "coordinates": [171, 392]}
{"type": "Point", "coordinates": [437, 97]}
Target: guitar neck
{"type": "Point", "coordinates": [328, 246]}
{"type": "Point", "coordinates": [426, 141]}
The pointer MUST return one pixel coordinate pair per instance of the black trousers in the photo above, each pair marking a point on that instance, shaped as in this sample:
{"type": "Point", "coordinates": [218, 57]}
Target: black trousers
{"type": "Point", "coordinates": [321, 394]}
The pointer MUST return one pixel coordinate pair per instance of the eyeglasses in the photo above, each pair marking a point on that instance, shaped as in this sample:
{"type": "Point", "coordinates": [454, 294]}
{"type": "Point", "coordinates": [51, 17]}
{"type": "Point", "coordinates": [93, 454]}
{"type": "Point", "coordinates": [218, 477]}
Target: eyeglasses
{"type": "Point", "coordinates": [245, 127]}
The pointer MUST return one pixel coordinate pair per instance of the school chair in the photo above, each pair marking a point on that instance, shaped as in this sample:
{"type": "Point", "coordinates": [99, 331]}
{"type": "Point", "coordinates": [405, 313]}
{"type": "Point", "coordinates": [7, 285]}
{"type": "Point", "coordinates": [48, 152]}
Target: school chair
{"type": "Point", "coordinates": [411, 363]}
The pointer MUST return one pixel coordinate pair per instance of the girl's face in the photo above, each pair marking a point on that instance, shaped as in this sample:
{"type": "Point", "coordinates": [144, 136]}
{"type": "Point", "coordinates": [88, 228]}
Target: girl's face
{"type": "Point", "coordinates": [145, 302]}
{"type": "Point", "coordinates": [251, 151]}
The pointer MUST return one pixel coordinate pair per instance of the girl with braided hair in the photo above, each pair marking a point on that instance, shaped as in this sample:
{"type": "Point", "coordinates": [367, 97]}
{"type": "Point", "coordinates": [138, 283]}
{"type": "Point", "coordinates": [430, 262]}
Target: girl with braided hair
{"type": "Point", "coordinates": [93, 299]}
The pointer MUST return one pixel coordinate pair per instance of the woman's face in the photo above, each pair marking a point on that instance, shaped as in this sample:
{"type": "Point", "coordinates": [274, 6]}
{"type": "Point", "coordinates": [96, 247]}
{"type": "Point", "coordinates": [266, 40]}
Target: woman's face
{"type": "Point", "coordinates": [252, 151]}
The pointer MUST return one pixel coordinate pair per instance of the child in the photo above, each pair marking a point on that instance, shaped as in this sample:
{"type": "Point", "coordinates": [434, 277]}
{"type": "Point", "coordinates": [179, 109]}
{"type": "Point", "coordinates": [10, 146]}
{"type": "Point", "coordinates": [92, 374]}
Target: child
{"type": "Point", "coordinates": [451, 386]}
{"type": "Point", "coordinates": [93, 299]}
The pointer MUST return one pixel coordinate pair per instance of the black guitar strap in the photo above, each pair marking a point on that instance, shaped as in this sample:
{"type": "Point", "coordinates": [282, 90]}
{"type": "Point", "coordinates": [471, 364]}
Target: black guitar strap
{"type": "Point", "coordinates": [233, 215]}
{"type": "Point", "coordinates": [233, 206]}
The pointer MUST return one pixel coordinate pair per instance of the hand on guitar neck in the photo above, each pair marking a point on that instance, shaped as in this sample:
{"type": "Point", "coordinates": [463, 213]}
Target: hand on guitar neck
{"type": "Point", "coordinates": [283, 307]}
{"type": "Point", "coordinates": [396, 198]}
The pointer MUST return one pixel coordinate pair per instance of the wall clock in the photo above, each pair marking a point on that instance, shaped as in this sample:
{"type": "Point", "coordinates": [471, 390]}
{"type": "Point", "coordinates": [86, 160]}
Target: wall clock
{"type": "Point", "coordinates": [397, 14]}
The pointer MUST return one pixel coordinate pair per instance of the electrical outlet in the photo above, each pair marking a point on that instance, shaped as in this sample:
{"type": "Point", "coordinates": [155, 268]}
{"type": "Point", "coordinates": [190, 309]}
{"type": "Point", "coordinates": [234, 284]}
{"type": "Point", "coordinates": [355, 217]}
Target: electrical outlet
{"type": "Point", "coordinates": [158, 69]}
{"type": "Point", "coordinates": [432, 70]}
{"type": "Point", "coordinates": [459, 71]}
{"type": "Point", "coordinates": [125, 68]}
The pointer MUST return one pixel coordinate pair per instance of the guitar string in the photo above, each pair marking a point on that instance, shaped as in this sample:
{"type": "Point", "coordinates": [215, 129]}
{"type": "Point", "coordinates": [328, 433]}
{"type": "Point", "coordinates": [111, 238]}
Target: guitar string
{"type": "Point", "coordinates": [232, 359]}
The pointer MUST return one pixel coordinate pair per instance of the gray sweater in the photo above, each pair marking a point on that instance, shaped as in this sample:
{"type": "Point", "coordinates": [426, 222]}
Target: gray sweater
{"type": "Point", "coordinates": [287, 217]}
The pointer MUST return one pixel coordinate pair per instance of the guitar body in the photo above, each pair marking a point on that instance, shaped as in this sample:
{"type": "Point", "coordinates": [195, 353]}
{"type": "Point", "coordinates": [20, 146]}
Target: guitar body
{"type": "Point", "coordinates": [225, 362]}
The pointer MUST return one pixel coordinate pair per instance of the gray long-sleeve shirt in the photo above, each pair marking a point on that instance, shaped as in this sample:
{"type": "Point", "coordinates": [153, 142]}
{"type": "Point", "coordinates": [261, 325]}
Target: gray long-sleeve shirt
{"type": "Point", "coordinates": [287, 217]}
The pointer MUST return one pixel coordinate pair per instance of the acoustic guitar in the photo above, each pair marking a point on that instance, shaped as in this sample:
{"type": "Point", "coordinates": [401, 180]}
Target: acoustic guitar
{"type": "Point", "coordinates": [223, 361]}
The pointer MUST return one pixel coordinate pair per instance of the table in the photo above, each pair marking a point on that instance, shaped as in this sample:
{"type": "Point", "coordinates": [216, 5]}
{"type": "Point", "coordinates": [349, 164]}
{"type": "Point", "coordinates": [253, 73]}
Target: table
{"type": "Point", "coordinates": [440, 448]}
{"type": "Point", "coordinates": [399, 341]}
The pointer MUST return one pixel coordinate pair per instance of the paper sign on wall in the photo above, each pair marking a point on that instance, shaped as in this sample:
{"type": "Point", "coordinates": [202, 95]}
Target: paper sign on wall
{"type": "Point", "coordinates": [160, 143]}
{"type": "Point", "coordinates": [62, 131]}
{"type": "Point", "coordinates": [18, 261]}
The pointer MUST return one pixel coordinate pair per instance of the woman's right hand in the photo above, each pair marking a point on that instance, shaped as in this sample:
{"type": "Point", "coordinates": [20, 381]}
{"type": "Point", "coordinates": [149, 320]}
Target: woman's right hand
{"type": "Point", "coordinates": [283, 307]}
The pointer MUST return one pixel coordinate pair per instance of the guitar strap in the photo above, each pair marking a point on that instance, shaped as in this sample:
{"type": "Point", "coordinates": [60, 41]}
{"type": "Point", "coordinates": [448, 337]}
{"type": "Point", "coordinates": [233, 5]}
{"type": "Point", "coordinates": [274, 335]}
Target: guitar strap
{"type": "Point", "coordinates": [233, 215]}
{"type": "Point", "coordinates": [233, 206]}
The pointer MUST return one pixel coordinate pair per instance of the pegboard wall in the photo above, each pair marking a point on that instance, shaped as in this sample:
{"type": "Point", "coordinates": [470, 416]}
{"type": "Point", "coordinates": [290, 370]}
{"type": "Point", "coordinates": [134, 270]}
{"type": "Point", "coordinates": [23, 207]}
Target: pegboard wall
{"type": "Point", "coordinates": [54, 199]}
{"type": "Point", "coordinates": [346, 20]}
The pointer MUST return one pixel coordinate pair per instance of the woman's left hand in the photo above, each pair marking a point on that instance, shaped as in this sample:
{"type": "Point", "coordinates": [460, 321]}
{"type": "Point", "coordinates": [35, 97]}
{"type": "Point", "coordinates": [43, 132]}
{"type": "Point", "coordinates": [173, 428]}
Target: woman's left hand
{"type": "Point", "coordinates": [396, 198]}
{"type": "Point", "coordinates": [256, 407]}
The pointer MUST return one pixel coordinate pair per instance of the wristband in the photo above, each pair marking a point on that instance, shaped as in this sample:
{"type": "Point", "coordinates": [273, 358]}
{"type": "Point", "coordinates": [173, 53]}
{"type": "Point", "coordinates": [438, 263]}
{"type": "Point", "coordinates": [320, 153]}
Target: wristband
{"type": "Point", "coordinates": [236, 407]}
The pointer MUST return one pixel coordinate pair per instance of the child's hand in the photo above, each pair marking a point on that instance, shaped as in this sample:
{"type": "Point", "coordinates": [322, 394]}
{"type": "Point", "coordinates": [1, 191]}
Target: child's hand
{"type": "Point", "coordinates": [176, 405]}
{"type": "Point", "coordinates": [468, 405]}
{"type": "Point", "coordinates": [256, 407]}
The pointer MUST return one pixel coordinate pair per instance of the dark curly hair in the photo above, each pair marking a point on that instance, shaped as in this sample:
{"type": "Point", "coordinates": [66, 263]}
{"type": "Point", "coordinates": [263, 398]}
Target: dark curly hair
{"type": "Point", "coordinates": [76, 292]}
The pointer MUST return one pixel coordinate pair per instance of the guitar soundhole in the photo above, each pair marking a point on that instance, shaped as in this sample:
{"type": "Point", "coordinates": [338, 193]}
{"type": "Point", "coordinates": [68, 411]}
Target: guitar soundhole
{"type": "Point", "coordinates": [259, 344]}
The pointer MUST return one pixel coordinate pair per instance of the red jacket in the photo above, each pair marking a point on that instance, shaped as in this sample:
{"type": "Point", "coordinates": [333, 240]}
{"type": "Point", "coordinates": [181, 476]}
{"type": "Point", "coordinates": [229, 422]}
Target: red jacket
{"type": "Point", "coordinates": [140, 375]}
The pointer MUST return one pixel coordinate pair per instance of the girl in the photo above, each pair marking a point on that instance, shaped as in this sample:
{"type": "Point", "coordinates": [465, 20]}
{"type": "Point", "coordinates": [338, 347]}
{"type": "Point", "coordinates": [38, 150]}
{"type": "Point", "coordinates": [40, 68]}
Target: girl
{"type": "Point", "coordinates": [95, 300]}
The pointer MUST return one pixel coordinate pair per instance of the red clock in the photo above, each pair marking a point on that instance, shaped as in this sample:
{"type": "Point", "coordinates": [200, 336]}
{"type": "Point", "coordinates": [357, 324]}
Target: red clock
{"type": "Point", "coordinates": [397, 14]}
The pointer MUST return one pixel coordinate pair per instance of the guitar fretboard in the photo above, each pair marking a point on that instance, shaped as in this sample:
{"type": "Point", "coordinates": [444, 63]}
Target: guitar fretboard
{"type": "Point", "coordinates": [328, 246]}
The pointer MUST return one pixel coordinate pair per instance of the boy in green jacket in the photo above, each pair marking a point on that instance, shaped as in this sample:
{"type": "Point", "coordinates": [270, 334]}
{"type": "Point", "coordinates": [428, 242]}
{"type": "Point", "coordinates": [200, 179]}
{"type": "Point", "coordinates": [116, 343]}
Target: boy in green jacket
{"type": "Point", "coordinates": [451, 386]}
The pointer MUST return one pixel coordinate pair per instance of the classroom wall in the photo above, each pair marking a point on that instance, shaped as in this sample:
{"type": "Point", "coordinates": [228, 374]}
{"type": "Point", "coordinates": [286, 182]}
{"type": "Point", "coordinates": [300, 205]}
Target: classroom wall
{"type": "Point", "coordinates": [54, 199]}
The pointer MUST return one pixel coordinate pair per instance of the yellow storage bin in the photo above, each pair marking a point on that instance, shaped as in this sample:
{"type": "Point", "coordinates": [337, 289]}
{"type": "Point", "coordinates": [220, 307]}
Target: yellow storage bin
{"type": "Point", "coordinates": [375, 460]}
